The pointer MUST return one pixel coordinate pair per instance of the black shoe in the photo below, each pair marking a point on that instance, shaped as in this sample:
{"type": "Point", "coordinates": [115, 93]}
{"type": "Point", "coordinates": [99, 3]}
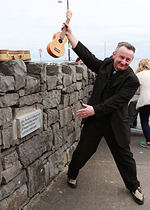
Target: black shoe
{"type": "Point", "coordinates": [72, 185]}
{"type": "Point", "coordinates": [138, 196]}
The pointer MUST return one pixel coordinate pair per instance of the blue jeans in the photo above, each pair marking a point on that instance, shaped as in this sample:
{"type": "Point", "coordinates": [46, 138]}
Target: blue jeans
{"type": "Point", "coordinates": [144, 117]}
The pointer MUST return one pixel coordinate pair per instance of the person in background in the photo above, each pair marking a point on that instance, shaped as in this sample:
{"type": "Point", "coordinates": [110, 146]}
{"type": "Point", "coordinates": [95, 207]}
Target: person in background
{"type": "Point", "coordinates": [106, 114]}
{"type": "Point", "coordinates": [78, 60]}
{"type": "Point", "coordinates": [133, 112]}
{"type": "Point", "coordinates": [143, 103]}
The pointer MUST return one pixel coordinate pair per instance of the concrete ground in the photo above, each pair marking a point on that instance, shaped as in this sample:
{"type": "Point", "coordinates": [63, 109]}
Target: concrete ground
{"type": "Point", "coordinates": [100, 186]}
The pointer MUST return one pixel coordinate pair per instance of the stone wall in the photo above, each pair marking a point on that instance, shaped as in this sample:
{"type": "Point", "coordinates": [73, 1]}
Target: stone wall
{"type": "Point", "coordinates": [29, 164]}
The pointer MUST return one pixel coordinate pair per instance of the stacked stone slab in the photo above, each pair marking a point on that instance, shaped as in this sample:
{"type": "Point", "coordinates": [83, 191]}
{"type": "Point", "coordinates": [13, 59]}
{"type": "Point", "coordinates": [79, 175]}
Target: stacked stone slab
{"type": "Point", "coordinates": [29, 164]}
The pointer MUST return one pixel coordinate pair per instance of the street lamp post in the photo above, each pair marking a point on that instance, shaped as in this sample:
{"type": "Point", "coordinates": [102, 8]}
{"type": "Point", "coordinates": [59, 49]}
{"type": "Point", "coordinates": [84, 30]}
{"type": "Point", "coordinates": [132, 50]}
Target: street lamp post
{"type": "Point", "coordinates": [60, 1]}
{"type": "Point", "coordinates": [69, 58]}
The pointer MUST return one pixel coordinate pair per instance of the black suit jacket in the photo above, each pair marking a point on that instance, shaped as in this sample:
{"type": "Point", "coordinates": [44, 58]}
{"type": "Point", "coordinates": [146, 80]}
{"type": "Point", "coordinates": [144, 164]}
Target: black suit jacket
{"type": "Point", "coordinates": [115, 108]}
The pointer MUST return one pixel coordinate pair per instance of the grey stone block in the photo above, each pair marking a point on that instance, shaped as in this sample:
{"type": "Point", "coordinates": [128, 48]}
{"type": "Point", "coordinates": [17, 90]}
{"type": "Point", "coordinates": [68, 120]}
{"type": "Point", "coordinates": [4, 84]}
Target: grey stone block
{"type": "Point", "coordinates": [10, 187]}
{"type": "Point", "coordinates": [15, 200]}
{"type": "Point", "coordinates": [52, 116]}
{"type": "Point", "coordinates": [65, 116]}
{"type": "Point", "coordinates": [51, 99]}
{"type": "Point", "coordinates": [7, 137]}
{"type": "Point", "coordinates": [83, 71]}
{"type": "Point", "coordinates": [71, 70]}
{"type": "Point", "coordinates": [56, 163]}
{"type": "Point", "coordinates": [36, 175]}
{"type": "Point", "coordinates": [32, 85]}
{"type": "Point", "coordinates": [0, 167]}
{"type": "Point", "coordinates": [5, 115]}
{"type": "Point", "coordinates": [16, 68]}
{"type": "Point", "coordinates": [67, 80]}
{"type": "Point", "coordinates": [7, 83]}
{"type": "Point", "coordinates": [11, 165]}
{"type": "Point", "coordinates": [9, 99]}
{"type": "Point", "coordinates": [37, 69]}
{"type": "Point", "coordinates": [51, 82]}
{"type": "Point", "coordinates": [30, 99]}
{"type": "Point", "coordinates": [32, 149]}
{"type": "Point", "coordinates": [74, 98]}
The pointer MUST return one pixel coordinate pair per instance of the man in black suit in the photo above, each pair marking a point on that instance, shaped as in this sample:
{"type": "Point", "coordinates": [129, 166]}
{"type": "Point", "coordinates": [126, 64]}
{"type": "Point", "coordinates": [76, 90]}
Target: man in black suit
{"type": "Point", "coordinates": [106, 114]}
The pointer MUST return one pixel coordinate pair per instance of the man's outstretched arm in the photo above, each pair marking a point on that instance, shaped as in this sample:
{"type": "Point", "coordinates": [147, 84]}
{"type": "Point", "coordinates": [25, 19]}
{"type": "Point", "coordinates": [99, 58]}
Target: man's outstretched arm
{"type": "Point", "coordinates": [72, 39]}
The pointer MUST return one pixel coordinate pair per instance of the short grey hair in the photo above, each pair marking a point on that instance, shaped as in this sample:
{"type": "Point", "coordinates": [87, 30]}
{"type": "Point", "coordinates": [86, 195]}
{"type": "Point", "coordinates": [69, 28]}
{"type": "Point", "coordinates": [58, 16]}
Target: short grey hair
{"type": "Point", "coordinates": [126, 44]}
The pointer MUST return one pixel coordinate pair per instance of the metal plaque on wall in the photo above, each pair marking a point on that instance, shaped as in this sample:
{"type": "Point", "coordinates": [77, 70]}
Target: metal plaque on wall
{"type": "Point", "coordinates": [29, 123]}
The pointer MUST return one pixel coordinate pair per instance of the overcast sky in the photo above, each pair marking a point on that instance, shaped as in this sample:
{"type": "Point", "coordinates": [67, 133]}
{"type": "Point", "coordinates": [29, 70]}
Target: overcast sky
{"type": "Point", "coordinates": [100, 25]}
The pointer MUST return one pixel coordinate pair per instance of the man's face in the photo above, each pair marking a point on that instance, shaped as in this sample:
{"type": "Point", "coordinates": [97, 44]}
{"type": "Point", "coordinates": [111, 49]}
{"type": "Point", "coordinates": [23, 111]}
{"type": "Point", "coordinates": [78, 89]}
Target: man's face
{"type": "Point", "coordinates": [122, 58]}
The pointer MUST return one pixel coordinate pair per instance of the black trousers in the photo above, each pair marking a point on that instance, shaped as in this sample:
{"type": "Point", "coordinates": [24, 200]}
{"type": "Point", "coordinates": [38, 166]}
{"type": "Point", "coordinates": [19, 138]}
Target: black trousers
{"type": "Point", "coordinates": [91, 135]}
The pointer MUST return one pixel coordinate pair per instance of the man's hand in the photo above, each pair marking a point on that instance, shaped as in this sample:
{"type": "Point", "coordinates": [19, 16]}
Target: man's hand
{"type": "Point", "coordinates": [72, 39]}
{"type": "Point", "coordinates": [68, 29]}
{"type": "Point", "coordinates": [86, 112]}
